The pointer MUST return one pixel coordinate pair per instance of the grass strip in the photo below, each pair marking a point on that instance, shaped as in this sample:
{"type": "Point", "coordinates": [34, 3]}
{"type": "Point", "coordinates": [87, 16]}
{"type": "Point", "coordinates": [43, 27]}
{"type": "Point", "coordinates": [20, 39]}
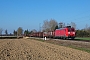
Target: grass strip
{"type": "Point", "coordinates": [79, 48]}
{"type": "Point", "coordinates": [82, 38]}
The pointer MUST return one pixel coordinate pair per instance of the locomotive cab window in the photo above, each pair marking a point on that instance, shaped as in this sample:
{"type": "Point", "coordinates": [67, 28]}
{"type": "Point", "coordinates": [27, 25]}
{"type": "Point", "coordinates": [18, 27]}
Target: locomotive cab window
{"type": "Point", "coordinates": [69, 29]}
{"type": "Point", "coordinates": [73, 29]}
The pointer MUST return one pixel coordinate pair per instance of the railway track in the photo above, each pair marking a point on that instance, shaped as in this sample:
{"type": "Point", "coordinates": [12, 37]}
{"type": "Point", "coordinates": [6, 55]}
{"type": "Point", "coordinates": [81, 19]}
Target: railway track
{"type": "Point", "coordinates": [62, 39]}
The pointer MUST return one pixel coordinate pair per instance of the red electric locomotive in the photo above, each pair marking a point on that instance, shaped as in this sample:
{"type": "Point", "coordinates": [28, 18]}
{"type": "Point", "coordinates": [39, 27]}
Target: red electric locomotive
{"type": "Point", "coordinates": [66, 33]}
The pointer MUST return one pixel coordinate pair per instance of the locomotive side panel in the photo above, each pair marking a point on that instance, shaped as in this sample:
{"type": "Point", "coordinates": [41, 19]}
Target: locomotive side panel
{"type": "Point", "coordinates": [60, 33]}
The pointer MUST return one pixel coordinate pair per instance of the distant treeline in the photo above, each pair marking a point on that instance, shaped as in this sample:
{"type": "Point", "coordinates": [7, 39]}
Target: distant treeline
{"type": "Point", "coordinates": [82, 33]}
{"type": "Point", "coordinates": [7, 35]}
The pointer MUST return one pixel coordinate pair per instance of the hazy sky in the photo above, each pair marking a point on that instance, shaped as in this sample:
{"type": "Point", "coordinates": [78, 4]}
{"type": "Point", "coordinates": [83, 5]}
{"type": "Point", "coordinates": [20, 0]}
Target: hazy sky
{"type": "Point", "coordinates": [28, 14]}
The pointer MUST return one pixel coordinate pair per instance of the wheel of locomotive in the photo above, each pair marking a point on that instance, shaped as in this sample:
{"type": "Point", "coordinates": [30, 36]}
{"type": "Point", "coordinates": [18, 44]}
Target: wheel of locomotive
{"type": "Point", "coordinates": [72, 38]}
{"type": "Point", "coordinates": [64, 38]}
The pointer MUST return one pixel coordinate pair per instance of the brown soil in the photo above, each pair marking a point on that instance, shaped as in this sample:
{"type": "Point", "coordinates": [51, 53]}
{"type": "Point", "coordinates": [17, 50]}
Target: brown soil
{"type": "Point", "coordinates": [26, 49]}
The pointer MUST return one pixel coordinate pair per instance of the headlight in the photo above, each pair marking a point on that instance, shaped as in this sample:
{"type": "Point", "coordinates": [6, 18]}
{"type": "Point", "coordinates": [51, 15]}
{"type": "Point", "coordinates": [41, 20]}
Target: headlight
{"type": "Point", "coordinates": [73, 32]}
{"type": "Point", "coordinates": [68, 32]}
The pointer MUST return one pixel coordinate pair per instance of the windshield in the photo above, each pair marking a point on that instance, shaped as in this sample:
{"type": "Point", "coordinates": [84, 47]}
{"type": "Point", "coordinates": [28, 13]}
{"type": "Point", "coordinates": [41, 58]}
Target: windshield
{"type": "Point", "coordinates": [71, 29]}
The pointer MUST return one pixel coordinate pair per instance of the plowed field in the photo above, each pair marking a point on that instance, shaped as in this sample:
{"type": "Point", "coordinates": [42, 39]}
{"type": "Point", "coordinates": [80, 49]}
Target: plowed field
{"type": "Point", "coordinates": [28, 49]}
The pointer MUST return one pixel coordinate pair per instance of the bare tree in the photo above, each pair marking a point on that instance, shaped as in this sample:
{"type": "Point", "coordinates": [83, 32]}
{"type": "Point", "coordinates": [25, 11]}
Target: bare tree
{"type": "Point", "coordinates": [19, 31]}
{"type": "Point", "coordinates": [86, 27]}
{"type": "Point", "coordinates": [49, 25]}
{"type": "Point", "coordinates": [46, 25]}
{"type": "Point", "coordinates": [73, 25]}
{"type": "Point", "coordinates": [52, 24]}
{"type": "Point", "coordinates": [1, 31]}
{"type": "Point", "coordinates": [6, 32]}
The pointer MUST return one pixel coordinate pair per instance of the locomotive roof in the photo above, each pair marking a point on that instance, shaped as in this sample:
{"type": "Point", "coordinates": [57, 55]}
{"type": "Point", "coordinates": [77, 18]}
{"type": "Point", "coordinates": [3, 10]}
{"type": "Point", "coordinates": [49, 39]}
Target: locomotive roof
{"type": "Point", "coordinates": [63, 28]}
{"type": "Point", "coordinates": [60, 28]}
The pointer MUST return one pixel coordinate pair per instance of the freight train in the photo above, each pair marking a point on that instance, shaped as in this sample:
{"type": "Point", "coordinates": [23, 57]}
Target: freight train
{"type": "Point", "coordinates": [64, 33]}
